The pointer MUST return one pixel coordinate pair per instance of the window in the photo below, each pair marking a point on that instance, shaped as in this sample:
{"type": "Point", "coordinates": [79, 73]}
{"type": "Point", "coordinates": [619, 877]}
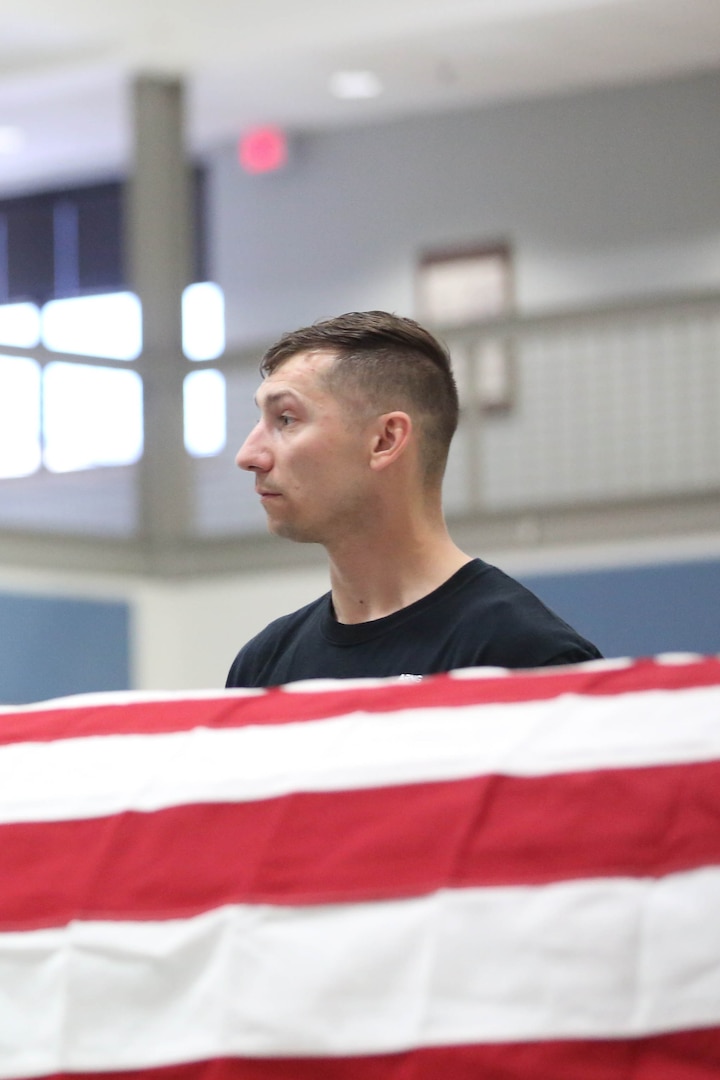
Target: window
{"type": "Point", "coordinates": [62, 286]}
{"type": "Point", "coordinates": [70, 242]}
{"type": "Point", "coordinates": [20, 449]}
{"type": "Point", "coordinates": [91, 416]}
{"type": "Point", "coordinates": [107, 325]}
{"type": "Point", "coordinates": [204, 413]}
{"type": "Point", "coordinates": [203, 321]}
{"type": "Point", "coordinates": [20, 325]}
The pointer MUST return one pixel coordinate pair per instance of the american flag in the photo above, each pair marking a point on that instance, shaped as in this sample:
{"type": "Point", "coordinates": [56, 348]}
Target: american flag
{"type": "Point", "coordinates": [488, 874]}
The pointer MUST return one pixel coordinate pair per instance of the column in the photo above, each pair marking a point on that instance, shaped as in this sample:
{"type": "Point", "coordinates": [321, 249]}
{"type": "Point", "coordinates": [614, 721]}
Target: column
{"type": "Point", "coordinates": [159, 251]}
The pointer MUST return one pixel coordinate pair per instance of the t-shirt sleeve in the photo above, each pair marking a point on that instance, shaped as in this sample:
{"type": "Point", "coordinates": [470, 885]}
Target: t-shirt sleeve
{"type": "Point", "coordinates": [248, 669]}
{"type": "Point", "coordinates": [522, 632]}
{"type": "Point", "coordinates": [256, 665]}
{"type": "Point", "coordinates": [578, 654]}
{"type": "Point", "coordinates": [241, 671]}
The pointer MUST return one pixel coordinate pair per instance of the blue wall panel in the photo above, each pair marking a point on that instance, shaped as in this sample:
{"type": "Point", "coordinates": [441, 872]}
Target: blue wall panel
{"type": "Point", "coordinates": [53, 646]}
{"type": "Point", "coordinates": [639, 610]}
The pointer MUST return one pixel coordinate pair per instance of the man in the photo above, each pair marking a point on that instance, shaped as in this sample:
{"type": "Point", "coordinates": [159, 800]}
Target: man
{"type": "Point", "coordinates": [356, 418]}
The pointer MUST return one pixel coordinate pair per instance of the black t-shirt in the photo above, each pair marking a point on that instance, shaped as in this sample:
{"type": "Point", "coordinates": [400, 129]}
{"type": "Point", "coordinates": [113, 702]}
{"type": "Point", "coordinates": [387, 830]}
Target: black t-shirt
{"type": "Point", "coordinates": [479, 617]}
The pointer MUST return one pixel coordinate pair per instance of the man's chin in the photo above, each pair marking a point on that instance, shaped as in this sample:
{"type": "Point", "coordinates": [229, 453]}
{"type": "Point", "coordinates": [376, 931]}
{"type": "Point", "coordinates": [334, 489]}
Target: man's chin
{"type": "Point", "coordinates": [289, 531]}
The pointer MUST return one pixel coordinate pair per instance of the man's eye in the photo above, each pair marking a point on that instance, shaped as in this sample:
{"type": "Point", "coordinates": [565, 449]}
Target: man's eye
{"type": "Point", "coordinates": [285, 419]}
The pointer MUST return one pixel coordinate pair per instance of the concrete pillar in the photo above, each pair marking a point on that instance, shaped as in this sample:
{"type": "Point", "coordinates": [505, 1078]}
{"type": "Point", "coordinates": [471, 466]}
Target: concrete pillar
{"type": "Point", "coordinates": [159, 251]}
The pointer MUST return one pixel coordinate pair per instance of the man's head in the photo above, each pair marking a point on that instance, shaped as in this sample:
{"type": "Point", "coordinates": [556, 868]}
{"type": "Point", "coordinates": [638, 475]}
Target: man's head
{"type": "Point", "coordinates": [382, 363]}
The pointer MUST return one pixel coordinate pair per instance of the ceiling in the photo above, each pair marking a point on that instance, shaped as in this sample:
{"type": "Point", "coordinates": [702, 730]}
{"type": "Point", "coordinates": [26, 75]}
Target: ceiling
{"type": "Point", "coordinates": [66, 65]}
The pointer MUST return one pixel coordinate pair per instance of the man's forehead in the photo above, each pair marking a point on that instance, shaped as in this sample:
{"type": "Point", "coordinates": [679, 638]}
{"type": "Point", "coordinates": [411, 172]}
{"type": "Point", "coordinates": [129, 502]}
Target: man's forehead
{"type": "Point", "coordinates": [299, 374]}
{"type": "Point", "coordinates": [307, 363]}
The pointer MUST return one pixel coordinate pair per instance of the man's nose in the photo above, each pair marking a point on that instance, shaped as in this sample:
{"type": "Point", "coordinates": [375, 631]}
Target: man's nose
{"type": "Point", "coordinates": [254, 454]}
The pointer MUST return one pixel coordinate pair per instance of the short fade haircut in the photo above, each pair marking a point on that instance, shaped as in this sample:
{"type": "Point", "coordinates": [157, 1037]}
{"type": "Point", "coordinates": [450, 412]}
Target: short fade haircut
{"type": "Point", "coordinates": [385, 362]}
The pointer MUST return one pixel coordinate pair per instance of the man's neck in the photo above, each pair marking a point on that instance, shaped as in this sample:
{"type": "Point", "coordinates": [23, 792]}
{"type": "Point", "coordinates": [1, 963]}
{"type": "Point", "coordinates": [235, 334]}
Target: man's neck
{"type": "Point", "coordinates": [372, 580]}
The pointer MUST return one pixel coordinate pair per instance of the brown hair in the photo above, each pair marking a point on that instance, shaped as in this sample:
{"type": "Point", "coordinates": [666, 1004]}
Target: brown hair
{"type": "Point", "coordinates": [387, 362]}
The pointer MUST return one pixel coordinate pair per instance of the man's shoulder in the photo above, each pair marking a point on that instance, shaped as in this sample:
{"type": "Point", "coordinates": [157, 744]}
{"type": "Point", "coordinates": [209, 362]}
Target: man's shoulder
{"type": "Point", "coordinates": [522, 631]}
{"type": "Point", "coordinates": [261, 649]}
{"type": "Point", "coordinates": [483, 588]}
{"type": "Point", "coordinates": [286, 623]}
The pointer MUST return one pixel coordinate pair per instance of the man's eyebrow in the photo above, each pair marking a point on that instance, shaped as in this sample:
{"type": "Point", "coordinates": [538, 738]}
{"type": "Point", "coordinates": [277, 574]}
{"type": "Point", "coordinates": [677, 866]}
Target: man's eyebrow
{"type": "Point", "coordinates": [272, 397]}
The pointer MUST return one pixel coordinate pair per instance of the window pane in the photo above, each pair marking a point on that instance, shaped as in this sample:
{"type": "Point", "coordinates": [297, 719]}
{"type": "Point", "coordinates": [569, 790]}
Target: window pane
{"type": "Point", "coordinates": [203, 321]}
{"type": "Point", "coordinates": [91, 416]}
{"type": "Point", "coordinates": [204, 413]}
{"type": "Point", "coordinates": [100, 239]}
{"type": "Point", "coordinates": [108, 324]}
{"type": "Point", "coordinates": [19, 325]}
{"type": "Point", "coordinates": [30, 248]}
{"type": "Point", "coordinates": [19, 416]}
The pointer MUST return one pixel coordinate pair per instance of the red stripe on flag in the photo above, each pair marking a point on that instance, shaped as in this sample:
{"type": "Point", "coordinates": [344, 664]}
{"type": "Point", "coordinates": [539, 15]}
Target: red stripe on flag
{"type": "Point", "coordinates": [359, 845]}
{"type": "Point", "coordinates": [278, 706]}
{"type": "Point", "coordinates": [688, 1055]}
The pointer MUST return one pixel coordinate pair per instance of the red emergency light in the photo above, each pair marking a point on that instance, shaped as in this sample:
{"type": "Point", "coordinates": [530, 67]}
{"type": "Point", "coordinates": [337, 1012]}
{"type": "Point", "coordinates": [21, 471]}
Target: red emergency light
{"type": "Point", "coordinates": [263, 150]}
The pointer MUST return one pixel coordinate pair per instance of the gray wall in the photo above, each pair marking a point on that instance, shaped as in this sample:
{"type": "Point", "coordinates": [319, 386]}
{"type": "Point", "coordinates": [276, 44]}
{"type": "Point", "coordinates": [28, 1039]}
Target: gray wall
{"type": "Point", "coordinates": [603, 195]}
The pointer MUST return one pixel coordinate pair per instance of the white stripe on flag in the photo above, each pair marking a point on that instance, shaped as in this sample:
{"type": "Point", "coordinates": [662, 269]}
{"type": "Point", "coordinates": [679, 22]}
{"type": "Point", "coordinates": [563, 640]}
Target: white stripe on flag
{"type": "Point", "coordinates": [122, 698]}
{"type": "Point", "coordinates": [603, 958]}
{"type": "Point", "coordinates": [98, 775]}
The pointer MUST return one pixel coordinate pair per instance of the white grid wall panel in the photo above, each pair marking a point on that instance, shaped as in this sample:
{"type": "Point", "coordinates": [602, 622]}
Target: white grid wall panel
{"type": "Point", "coordinates": [100, 502]}
{"type": "Point", "coordinates": [604, 412]}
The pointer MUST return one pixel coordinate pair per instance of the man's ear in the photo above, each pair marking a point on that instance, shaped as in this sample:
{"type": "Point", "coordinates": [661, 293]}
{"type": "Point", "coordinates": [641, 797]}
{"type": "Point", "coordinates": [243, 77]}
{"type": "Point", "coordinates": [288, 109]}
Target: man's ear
{"type": "Point", "coordinates": [392, 435]}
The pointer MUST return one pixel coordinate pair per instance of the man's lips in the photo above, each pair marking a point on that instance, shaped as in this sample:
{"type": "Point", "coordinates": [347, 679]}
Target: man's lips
{"type": "Point", "coordinates": [264, 493]}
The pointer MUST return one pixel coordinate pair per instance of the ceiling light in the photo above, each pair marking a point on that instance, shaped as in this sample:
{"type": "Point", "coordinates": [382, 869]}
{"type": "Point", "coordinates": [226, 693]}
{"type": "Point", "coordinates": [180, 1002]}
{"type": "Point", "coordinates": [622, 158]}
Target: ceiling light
{"type": "Point", "coordinates": [355, 84]}
{"type": "Point", "coordinates": [12, 140]}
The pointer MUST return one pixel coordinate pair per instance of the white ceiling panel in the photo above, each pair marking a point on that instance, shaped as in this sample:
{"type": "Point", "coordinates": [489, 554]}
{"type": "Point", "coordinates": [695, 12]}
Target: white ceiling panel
{"type": "Point", "coordinates": [65, 69]}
